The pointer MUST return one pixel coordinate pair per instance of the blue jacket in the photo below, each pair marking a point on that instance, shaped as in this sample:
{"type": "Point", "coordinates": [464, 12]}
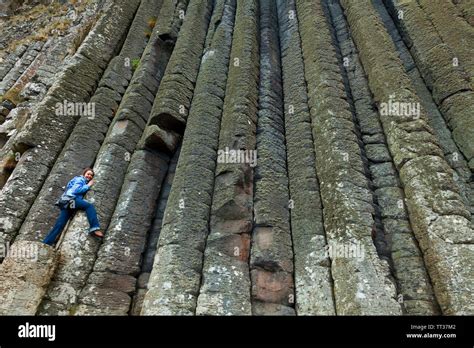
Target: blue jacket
{"type": "Point", "coordinates": [77, 187]}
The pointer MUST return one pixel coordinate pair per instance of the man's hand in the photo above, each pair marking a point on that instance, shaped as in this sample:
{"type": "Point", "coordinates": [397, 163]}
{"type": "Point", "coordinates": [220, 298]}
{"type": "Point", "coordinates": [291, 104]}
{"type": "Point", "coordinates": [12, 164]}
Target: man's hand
{"type": "Point", "coordinates": [90, 183]}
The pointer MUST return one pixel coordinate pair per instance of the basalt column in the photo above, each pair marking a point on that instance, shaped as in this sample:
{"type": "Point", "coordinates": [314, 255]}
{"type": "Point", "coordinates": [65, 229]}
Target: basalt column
{"type": "Point", "coordinates": [313, 283]}
{"type": "Point", "coordinates": [362, 283]}
{"type": "Point", "coordinates": [394, 237]}
{"type": "Point", "coordinates": [110, 168]}
{"type": "Point", "coordinates": [440, 220]}
{"type": "Point", "coordinates": [85, 140]}
{"type": "Point", "coordinates": [271, 257]}
{"type": "Point", "coordinates": [225, 287]}
{"type": "Point", "coordinates": [120, 254]}
{"type": "Point", "coordinates": [446, 69]}
{"type": "Point", "coordinates": [173, 286]}
{"type": "Point", "coordinates": [43, 137]}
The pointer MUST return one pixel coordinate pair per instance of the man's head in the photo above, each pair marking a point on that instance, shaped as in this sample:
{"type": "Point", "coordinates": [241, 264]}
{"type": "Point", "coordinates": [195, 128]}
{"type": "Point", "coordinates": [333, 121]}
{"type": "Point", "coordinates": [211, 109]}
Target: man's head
{"type": "Point", "coordinates": [88, 173]}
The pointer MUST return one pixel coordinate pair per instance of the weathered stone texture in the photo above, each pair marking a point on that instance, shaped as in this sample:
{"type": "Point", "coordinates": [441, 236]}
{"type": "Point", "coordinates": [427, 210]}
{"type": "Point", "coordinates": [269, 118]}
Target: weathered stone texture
{"type": "Point", "coordinates": [394, 239]}
{"type": "Point", "coordinates": [171, 18]}
{"type": "Point", "coordinates": [362, 283]}
{"type": "Point", "coordinates": [466, 8]}
{"type": "Point", "coordinates": [271, 258]}
{"type": "Point", "coordinates": [440, 220]}
{"type": "Point", "coordinates": [226, 279]}
{"type": "Point", "coordinates": [313, 284]}
{"type": "Point", "coordinates": [173, 100]}
{"type": "Point", "coordinates": [24, 277]}
{"type": "Point", "coordinates": [175, 279]}
{"type": "Point", "coordinates": [254, 157]}
{"type": "Point", "coordinates": [450, 81]}
{"type": "Point", "coordinates": [110, 169]}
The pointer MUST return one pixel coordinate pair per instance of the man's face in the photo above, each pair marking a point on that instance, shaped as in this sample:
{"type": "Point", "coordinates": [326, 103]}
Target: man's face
{"type": "Point", "coordinates": [89, 175]}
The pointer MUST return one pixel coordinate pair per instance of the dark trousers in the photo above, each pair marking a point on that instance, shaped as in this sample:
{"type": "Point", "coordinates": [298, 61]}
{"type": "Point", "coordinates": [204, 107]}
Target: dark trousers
{"type": "Point", "coordinates": [67, 213]}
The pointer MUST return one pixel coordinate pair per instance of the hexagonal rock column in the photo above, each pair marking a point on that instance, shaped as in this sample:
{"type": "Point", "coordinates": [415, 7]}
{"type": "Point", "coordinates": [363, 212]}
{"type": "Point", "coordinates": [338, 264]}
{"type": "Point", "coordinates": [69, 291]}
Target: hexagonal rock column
{"type": "Point", "coordinates": [24, 276]}
{"type": "Point", "coordinates": [138, 35]}
{"type": "Point", "coordinates": [118, 259]}
{"type": "Point", "coordinates": [439, 218]}
{"type": "Point", "coordinates": [170, 108]}
{"type": "Point", "coordinates": [148, 256]}
{"type": "Point", "coordinates": [148, 164]}
{"type": "Point", "coordinates": [271, 256]}
{"type": "Point", "coordinates": [225, 288]}
{"type": "Point", "coordinates": [447, 76]}
{"type": "Point", "coordinates": [23, 64]}
{"type": "Point", "coordinates": [453, 30]}
{"type": "Point", "coordinates": [413, 283]}
{"type": "Point", "coordinates": [362, 283]}
{"type": "Point", "coordinates": [155, 144]}
{"type": "Point", "coordinates": [174, 281]}
{"type": "Point", "coordinates": [436, 120]}
{"type": "Point", "coordinates": [171, 18]}
{"type": "Point", "coordinates": [313, 283]}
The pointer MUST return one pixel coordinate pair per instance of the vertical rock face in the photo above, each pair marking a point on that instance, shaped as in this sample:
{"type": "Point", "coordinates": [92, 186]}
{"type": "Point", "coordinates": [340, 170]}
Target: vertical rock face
{"type": "Point", "coordinates": [314, 292]}
{"type": "Point", "coordinates": [45, 133]}
{"type": "Point", "coordinates": [84, 142]}
{"type": "Point", "coordinates": [436, 39]}
{"type": "Point", "coordinates": [110, 169]}
{"type": "Point", "coordinates": [394, 240]}
{"type": "Point", "coordinates": [252, 157]}
{"type": "Point", "coordinates": [271, 258]}
{"type": "Point", "coordinates": [361, 284]}
{"type": "Point", "coordinates": [225, 288]}
{"type": "Point", "coordinates": [175, 279]}
{"type": "Point", "coordinates": [440, 220]}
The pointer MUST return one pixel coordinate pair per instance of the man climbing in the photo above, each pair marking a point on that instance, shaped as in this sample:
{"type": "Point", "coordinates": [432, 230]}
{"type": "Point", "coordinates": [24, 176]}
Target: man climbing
{"type": "Point", "coordinates": [73, 199]}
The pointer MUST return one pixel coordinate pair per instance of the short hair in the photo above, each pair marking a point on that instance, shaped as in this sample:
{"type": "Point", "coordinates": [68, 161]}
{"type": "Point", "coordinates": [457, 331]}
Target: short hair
{"type": "Point", "coordinates": [86, 170]}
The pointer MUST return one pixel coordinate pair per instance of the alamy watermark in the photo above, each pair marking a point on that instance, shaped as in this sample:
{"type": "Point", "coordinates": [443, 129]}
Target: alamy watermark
{"type": "Point", "coordinates": [345, 250]}
{"type": "Point", "coordinates": [237, 156]}
{"type": "Point", "coordinates": [29, 252]}
{"type": "Point", "coordinates": [398, 108]}
{"type": "Point", "coordinates": [67, 108]}
{"type": "Point", "coordinates": [28, 330]}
